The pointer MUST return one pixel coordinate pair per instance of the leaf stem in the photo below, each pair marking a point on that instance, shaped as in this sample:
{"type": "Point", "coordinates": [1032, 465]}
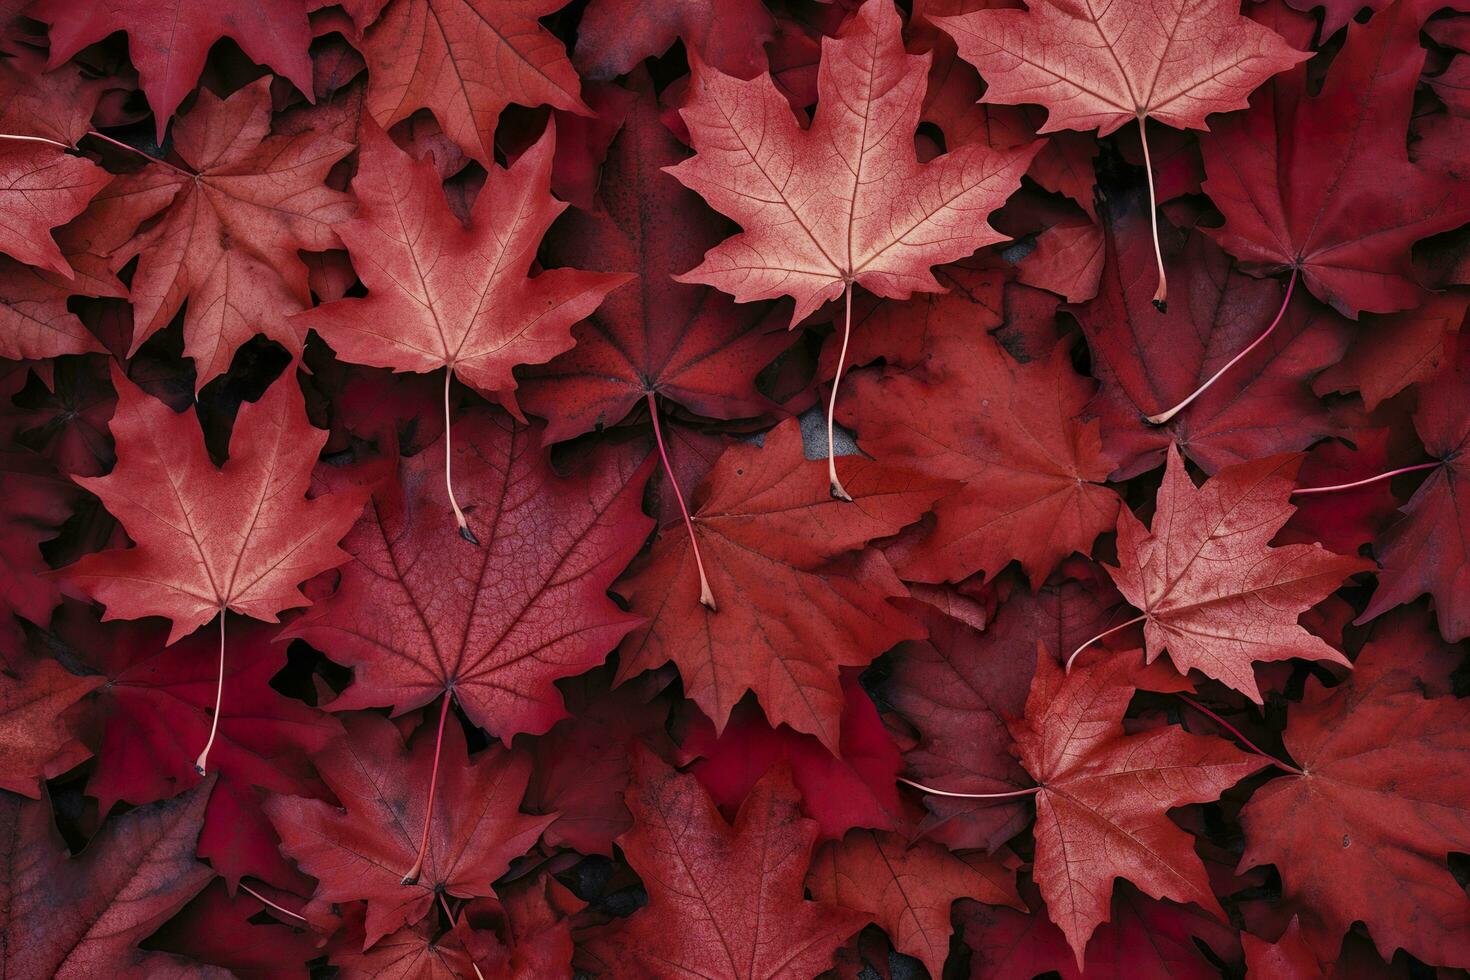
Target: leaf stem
{"type": "Point", "coordinates": [1163, 417]}
{"type": "Point", "coordinates": [464, 525]}
{"type": "Point", "coordinates": [36, 139]}
{"type": "Point", "coordinates": [1372, 479]}
{"type": "Point", "coordinates": [1103, 634]}
{"type": "Point", "coordinates": [971, 796]}
{"type": "Point", "coordinates": [146, 156]}
{"type": "Point", "coordinates": [104, 137]}
{"type": "Point", "coordinates": [201, 764]}
{"type": "Point", "coordinates": [1238, 734]}
{"type": "Point", "coordinates": [838, 492]}
{"type": "Point", "coordinates": [261, 898]}
{"type": "Point", "coordinates": [706, 597]}
{"type": "Point", "coordinates": [412, 876]}
{"type": "Point", "coordinates": [1161, 294]}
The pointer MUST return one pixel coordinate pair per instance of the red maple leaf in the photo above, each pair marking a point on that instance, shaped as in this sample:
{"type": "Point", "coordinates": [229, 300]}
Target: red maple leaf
{"type": "Point", "coordinates": [1102, 797]}
{"type": "Point", "coordinates": [84, 916]}
{"type": "Point", "coordinates": [1029, 469]}
{"type": "Point", "coordinates": [1362, 831]}
{"type": "Point", "coordinates": [1213, 592]}
{"type": "Point", "coordinates": [845, 201]}
{"type": "Point", "coordinates": [223, 234]}
{"type": "Point", "coordinates": [1098, 67]}
{"type": "Point", "coordinates": [194, 558]}
{"type": "Point", "coordinates": [358, 851]}
{"type": "Point", "coordinates": [442, 294]}
{"type": "Point", "coordinates": [537, 610]}
{"type": "Point", "coordinates": [1322, 183]}
{"type": "Point", "coordinates": [735, 891]}
{"type": "Point", "coordinates": [767, 532]}
{"type": "Point", "coordinates": [168, 40]}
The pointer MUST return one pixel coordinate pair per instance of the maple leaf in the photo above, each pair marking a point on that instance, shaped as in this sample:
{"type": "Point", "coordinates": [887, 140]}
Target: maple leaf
{"type": "Point", "coordinates": [442, 294]}
{"type": "Point", "coordinates": [729, 35]}
{"type": "Point", "coordinates": [908, 888]}
{"type": "Point", "coordinates": [1322, 184]}
{"type": "Point", "coordinates": [1381, 796]}
{"type": "Point", "coordinates": [1148, 361]}
{"type": "Point", "coordinates": [736, 891]}
{"type": "Point", "coordinates": [466, 60]}
{"type": "Point", "coordinates": [193, 559]}
{"type": "Point", "coordinates": [357, 851]}
{"type": "Point", "coordinates": [1029, 470]}
{"type": "Point", "coordinates": [38, 738]}
{"type": "Point", "coordinates": [41, 188]}
{"type": "Point", "coordinates": [658, 337]}
{"type": "Point", "coordinates": [1213, 592]}
{"type": "Point", "coordinates": [224, 234]}
{"type": "Point", "coordinates": [1098, 67]}
{"type": "Point", "coordinates": [1103, 795]}
{"type": "Point", "coordinates": [845, 201]}
{"type": "Point", "coordinates": [768, 533]}
{"type": "Point", "coordinates": [492, 626]}
{"type": "Point", "coordinates": [73, 918]}
{"type": "Point", "coordinates": [1428, 549]}
{"type": "Point", "coordinates": [168, 40]}
{"type": "Point", "coordinates": [852, 789]}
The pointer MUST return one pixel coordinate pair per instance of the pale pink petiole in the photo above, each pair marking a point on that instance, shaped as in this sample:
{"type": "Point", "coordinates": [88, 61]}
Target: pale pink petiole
{"type": "Point", "coordinates": [1165, 416]}
{"type": "Point", "coordinates": [464, 525]}
{"type": "Point", "coordinates": [36, 139]}
{"type": "Point", "coordinates": [1372, 479]}
{"type": "Point", "coordinates": [838, 492]}
{"type": "Point", "coordinates": [1013, 794]}
{"type": "Point", "coordinates": [261, 898]}
{"type": "Point", "coordinates": [706, 596]}
{"type": "Point", "coordinates": [201, 764]}
{"type": "Point", "coordinates": [1161, 294]}
{"type": "Point", "coordinates": [1103, 635]}
{"type": "Point", "coordinates": [412, 875]}
{"type": "Point", "coordinates": [105, 138]}
{"type": "Point", "coordinates": [1286, 767]}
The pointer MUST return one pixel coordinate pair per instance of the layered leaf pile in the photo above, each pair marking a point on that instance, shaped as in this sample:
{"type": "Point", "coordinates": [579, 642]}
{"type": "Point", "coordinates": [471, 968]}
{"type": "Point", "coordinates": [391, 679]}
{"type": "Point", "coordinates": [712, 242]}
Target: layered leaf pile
{"type": "Point", "coordinates": [734, 489]}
